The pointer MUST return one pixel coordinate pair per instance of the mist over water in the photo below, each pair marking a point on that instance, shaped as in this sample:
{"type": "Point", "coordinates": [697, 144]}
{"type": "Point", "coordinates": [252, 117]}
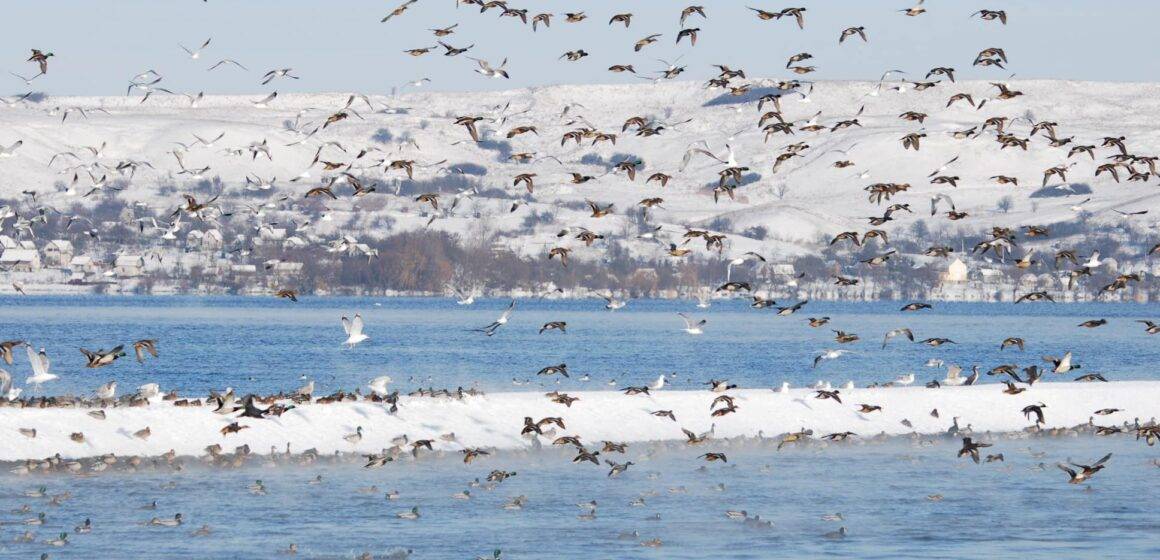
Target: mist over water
{"type": "Point", "coordinates": [881, 489]}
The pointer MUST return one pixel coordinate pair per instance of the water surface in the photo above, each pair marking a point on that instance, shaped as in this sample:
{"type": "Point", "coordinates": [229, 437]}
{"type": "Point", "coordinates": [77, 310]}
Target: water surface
{"type": "Point", "coordinates": [265, 344]}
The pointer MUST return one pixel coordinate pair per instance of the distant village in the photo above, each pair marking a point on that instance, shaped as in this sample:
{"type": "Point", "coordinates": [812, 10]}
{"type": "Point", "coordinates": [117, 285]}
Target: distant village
{"type": "Point", "coordinates": [56, 267]}
{"type": "Point", "coordinates": [202, 264]}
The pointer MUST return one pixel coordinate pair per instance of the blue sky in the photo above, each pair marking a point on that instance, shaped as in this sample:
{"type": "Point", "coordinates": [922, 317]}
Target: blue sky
{"type": "Point", "coordinates": [342, 46]}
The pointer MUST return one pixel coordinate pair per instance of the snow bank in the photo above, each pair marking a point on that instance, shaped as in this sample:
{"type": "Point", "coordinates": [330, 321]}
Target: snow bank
{"type": "Point", "coordinates": [495, 420]}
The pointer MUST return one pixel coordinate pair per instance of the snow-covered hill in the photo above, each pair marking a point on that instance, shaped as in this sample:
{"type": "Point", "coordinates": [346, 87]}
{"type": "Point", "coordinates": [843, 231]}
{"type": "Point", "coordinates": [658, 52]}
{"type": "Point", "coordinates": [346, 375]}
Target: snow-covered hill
{"type": "Point", "coordinates": [805, 200]}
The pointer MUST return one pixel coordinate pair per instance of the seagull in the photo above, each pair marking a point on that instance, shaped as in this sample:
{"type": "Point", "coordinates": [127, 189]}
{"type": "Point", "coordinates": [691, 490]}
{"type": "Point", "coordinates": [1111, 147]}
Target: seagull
{"type": "Point", "coordinates": [108, 391]}
{"type": "Point", "coordinates": [465, 298]}
{"type": "Point", "coordinates": [229, 61]}
{"type": "Point", "coordinates": [486, 68]}
{"type": "Point", "coordinates": [9, 151]}
{"type": "Point", "coordinates": [265, 101]}
{"type": "Point", "coordinates": [1093, 261]}
{"type": "Point", "coordinates": [195, 54]}
{"type": "Point", "coordinates": [940, 197]}
{"type": "Point", "coordinates": [953, 376]}
{"type": "Point", "coordinates": [40, 366]}
{"type": "Point", "coordinates": [612, 304]}
{"type": "Point", "coordinates": [7, 391]}
{"type": "Point", "coordinates": [149, 390]}
{"type": "Point", "coordinates": [489, 330]}
{"type": "Point", "coordinates": [354, 330]}
{"type": "Point", "coordinates": [379, 385]}
{"type": "Point", "coordinates": [690, 326]}
{"type": "Point", "coordinates": [278, 73]}
{"type": "Point", "coordinates": [897, 332]}
{"type": "Point", "coordinates": [829, 355]}
{"type": "Point", "coordinates": [704, 299]}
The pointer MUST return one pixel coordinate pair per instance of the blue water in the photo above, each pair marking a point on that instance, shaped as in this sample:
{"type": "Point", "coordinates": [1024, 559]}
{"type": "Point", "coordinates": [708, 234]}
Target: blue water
{"type": "Point", "coordinates": [1002, 509]}
{"type": "Point", "coordinates": [262, 344]}
{"type": "Point", "coordinates": [266, 344]}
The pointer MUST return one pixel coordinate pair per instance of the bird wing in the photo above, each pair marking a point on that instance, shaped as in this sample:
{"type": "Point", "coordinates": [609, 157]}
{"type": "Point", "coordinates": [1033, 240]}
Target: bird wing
{"type": "Point", "coordinates": [39, 367]}
{"type": "Point", "coordinates": [356, 325]}
{"type": "Point", "coordinates": [685, 318]}
{"type": "Point", "coordinates": [346, 325]}
{"type": "Point", "coordinates": [1102, 460]}
{"type": "Point", "coordinates": [508, 312]}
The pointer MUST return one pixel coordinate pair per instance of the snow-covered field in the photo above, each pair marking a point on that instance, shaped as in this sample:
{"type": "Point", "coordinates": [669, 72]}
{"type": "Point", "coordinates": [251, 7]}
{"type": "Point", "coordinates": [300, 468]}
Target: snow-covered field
{"type": "Point", "coordinates": [495, 420]}
{"type": "Point", "coordinates": [805, 200]}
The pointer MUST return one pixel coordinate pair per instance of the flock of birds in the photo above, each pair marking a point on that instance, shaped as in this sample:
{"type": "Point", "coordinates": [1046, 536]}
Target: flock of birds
{"type": "Point", "coordinates": [240, 412]}
{"type": "Point", "coordinates": [349, 171]}
{"type": "Point", "coordinates": [343, 172]}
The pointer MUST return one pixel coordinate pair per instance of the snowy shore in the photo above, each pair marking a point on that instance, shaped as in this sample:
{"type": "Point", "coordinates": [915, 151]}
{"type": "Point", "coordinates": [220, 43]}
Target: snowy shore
{"type": "Point", "coordinates": [495, 420]}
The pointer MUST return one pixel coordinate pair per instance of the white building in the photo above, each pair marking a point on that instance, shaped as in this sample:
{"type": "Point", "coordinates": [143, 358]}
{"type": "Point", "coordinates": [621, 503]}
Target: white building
{"type": "Point", "coordinates": [58, 253]}
{"type": "Point", "coordinates": [286, 268]}
{"type": "Point", "coordinates": [129, 266]}
{"type": "Point", "coordinates": [83, 264]}
{"type": "Point", "coordinates": [20, 260]}
{"type": "Point", "coordinates": [956, 272]}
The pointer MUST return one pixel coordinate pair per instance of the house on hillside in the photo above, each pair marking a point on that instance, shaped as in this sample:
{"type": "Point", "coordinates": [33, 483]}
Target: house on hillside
{"type": "Point", "coordinates": [209, 240]}
{"type": "Point", "coordinates": [84, 264]}
{"type": "Point", "coordinates": [283, 268]}
{"type": "Point", "coordinates": [58, 253]}
{"type": "Point", "coordinates": [129, 266]}
{"type": "Point", "coordinates": [956, 272]}
{"type": "Point", "coordinates": [20, 260]}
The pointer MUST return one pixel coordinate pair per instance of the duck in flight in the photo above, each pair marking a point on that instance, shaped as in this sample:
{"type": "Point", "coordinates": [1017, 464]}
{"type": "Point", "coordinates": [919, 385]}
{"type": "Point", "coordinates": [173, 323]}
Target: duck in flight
{"type": "Point", "coordinates": [101, 358]}
{"type": "Point", "coordinates": [1084, 472]}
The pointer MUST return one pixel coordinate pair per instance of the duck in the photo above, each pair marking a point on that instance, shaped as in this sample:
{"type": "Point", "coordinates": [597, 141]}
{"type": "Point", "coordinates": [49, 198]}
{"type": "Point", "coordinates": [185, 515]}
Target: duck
{"type": "Point", "coordinates": [176, 521]}
{"type": "Point", "coordinates": [1062, 365]}
{"type": "Point", "coordinates": [101, 358]}
{"type": "Point", "coordinates": [6, 348]}
{"type": "Point", "coordinates": [355, 437]}
{"type": "Point", "coordinates": [1085, 472]}
{"type": "Point", "coordinates": [971, 447]}
{"type": "Point", "coordinates": [145, 346]}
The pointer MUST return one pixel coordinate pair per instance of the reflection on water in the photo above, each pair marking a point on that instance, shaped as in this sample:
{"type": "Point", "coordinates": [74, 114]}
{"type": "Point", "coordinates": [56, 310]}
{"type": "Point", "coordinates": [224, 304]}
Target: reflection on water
{"type": "Point", "coordinates": [266, 344]}
{"type": "Point", "coordinates": [1022, 506]}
